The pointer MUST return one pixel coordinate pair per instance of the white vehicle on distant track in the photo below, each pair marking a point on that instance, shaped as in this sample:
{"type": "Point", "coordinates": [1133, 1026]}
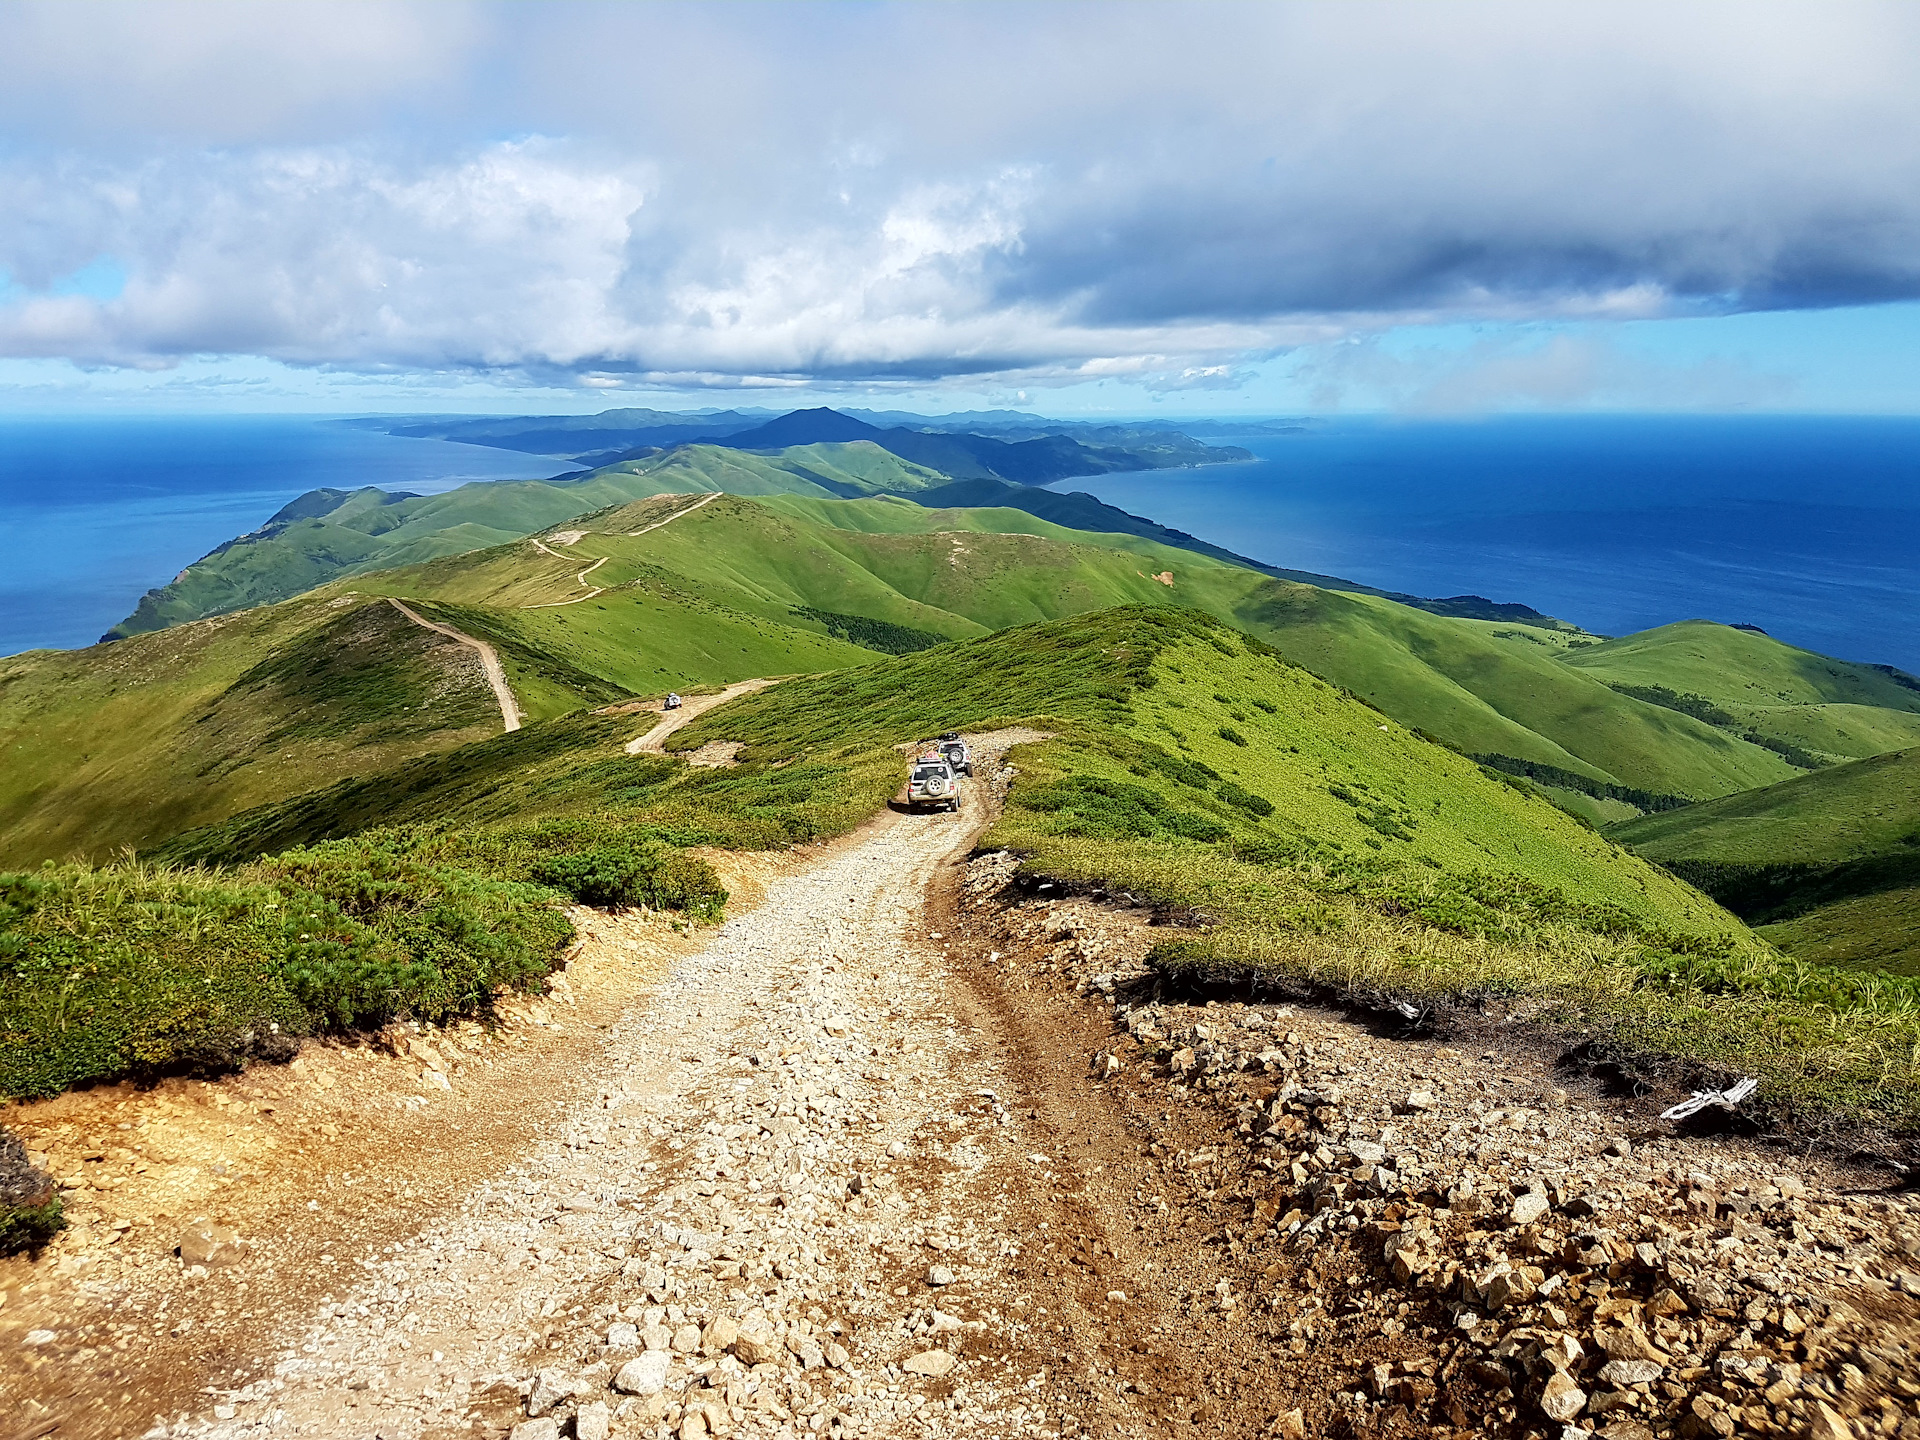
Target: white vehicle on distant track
{"type": "Point", "coordinates": [673, 700]}
{"type": "Point", "coordinates": [954, 749]}
{"type": "Point", "coordinates": [931, 782]}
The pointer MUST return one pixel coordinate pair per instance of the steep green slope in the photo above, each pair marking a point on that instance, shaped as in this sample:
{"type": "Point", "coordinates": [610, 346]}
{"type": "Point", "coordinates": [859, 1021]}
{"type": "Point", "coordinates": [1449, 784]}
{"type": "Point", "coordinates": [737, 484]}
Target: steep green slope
{"type": "Point", "coordinates": [1486, 688]}
{"type": "Point", "coordinates": [1850, 812]}
{"type": "Point", "coordinates": [751, 580]}
{"type": "Point", "coordinates": [1742, 667]}
{"type": "Point", "coordinates": [672, 591]}
{"type": "Point", "coordinates": [125, 744]}
{"type": "Point", "coordinates": [1253, 748]}
{"type": "Point", "coordinates": [1323, 847]}
{"type": "Point", "coordinates": [1828, 864]}
{"type": "Point", "coordinates": [1321, 844]}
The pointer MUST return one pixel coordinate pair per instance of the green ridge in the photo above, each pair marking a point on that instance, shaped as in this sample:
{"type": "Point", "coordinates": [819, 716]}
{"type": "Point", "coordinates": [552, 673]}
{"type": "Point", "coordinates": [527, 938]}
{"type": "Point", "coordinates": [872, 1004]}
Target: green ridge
{"type": "Point", "coordinates": [1810, 708]}
{"type": "Point", "coordinates": [1324, 844]}
{"type": "Point", "coordinates": [1328, 847]}
{"type": "Point", "coordinates": [1828, 865]}
{"type": "Point", "coordinates": [1488, 688]}
{"type": "Point", "coordinates": [125, 744]}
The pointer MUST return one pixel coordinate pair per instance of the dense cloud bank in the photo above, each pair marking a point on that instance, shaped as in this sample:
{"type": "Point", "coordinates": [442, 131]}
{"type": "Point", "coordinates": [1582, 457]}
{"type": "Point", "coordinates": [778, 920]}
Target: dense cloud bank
{"type": "Point", "coordinates": [714, 194]}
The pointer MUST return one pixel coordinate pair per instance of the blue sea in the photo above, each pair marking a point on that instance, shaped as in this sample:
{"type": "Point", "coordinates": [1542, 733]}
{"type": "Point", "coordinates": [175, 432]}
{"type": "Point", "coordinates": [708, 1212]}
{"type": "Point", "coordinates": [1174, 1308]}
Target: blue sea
{"type": "Point", "coordinates": [1808, 527]}
{"type": "Point", "coordinates": [97, 512]}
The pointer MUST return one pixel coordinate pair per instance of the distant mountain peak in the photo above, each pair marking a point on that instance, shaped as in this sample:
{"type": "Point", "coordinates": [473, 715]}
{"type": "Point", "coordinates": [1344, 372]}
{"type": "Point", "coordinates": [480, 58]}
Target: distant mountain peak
{"type": "Point", "coordinates": [821, 425]}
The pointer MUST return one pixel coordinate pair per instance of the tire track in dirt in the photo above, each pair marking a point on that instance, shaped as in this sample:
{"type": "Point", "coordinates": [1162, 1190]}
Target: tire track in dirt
{"type": "Point", "coordinates": [489, 661]}
{"type": "Point", "coordinates": [654, 742]}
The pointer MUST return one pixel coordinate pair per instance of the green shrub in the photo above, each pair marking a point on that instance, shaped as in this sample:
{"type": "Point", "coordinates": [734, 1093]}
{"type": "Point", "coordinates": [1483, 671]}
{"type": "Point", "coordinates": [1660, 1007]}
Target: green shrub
{"type": "Point", "coordinates": [1232, 736]}
{"type": "Point", "coordinates": [131, 970]}
{"type": "Point", "coordinates": [623, 873]}
{"type": "Point", "coordinates": [1096, 807]}
{"type": "Point", "coordinates": [1244, 799]}
{"type": "Point", "coordinates": [881, 635]}
{"type": "Point", "coordinates": [1188, 772]}
{"type": "Point", "coordinates": [28, 1227]}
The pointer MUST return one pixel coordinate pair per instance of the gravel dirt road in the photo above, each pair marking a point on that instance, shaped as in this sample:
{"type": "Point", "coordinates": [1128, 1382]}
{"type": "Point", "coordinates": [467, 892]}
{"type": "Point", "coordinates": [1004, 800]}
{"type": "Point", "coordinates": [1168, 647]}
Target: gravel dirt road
{"type": "Point", "coordinates": [915, 1146]}
{"type": "Point", "coordinates": [803, 1171]}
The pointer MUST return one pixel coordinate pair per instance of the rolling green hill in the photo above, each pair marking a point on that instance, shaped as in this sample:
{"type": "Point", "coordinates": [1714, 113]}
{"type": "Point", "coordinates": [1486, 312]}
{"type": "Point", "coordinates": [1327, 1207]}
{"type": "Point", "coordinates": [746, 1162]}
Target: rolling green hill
{"type": "Point", "coordinates": [1251, 750]}
{"type": "Point", "coordinates": [1212, 729]}
{"type": "Point", "coordinates": [1743, 667]}
{"type": "Point", "coordinates": [1811, 708]}
{"type": "Point", "coordinates": [1486, 688]}
{"type": "Point", "coordinates": [1319, 847]}
{"type": "Point", "coordinates": [1827, 864]}
{"type": "Point", "coordinates": [126, 744]}
{"type": "Point", "coordinates": [326, 535]}
{"type": "Point", "coordinates": [1499, 690]}
{"type": "Point", "coordinates": [646, 595]}
{"type": "Point", "coordinates": [1317, 843]}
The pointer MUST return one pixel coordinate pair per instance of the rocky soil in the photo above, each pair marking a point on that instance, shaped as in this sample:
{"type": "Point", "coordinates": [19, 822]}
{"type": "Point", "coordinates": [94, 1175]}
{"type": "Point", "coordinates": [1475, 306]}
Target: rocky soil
{"type": "Point", "coordinates": [915, 1146]}
{"type": "Point", "coordinates": [1415, 1237]}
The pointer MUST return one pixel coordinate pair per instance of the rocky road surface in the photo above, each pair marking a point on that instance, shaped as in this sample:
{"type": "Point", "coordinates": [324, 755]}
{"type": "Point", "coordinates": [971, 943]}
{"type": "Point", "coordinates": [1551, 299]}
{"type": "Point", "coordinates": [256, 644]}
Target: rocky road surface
{"type": "Point", "coordinates": [915, 1146]}
{"type": "Point", "coordinates": [803, 1192]}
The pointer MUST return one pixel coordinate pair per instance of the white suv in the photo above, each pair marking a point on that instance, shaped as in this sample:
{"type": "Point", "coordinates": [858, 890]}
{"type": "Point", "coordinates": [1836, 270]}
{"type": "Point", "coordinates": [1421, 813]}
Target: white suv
{"type": "Point", "coordinates": [932, 782]}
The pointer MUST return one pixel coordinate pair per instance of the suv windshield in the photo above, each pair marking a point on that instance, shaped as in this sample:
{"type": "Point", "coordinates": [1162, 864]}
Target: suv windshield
{"type": "Point", "coordinates": [930, 772]}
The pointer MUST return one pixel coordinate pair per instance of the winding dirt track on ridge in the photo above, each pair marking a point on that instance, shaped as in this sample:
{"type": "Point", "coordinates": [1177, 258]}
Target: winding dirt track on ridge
{"type": "Point", "coordinates": [489, 661]}
{"type": "Point", "coordinates": [706, 499]}
{"type": "Point", "coordinates": [581, 578]}
{"type": "Point", "coordinates": [655, 740]}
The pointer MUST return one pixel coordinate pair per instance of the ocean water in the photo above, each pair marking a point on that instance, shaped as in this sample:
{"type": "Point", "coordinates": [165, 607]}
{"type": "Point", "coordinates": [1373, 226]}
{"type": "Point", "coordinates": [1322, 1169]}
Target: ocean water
{"type": "Point", "coordinates": [1808, 527]}
{"type": "Point", "coordinates": [94, 513]}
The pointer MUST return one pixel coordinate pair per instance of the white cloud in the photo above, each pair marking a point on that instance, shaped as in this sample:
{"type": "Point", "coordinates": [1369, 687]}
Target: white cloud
{"type": "Point", "coordinates": [894, 194]}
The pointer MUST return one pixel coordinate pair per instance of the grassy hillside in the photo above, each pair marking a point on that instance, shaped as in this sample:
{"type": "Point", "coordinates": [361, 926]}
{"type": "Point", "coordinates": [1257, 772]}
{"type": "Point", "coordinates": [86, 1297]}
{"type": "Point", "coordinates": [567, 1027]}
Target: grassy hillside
{"type": "Point", "coordinates": [126, 744]}
{"type": "Point", "coordinates": [1811, 709]}
{"type": "Point", "coordinates": [328, 534]}
{"type": "Point", "coordinates": [1828, 864]}
{"type": "Point", "coordinates": [1329, 847]}
{"type": "Point", "coordinates": [1485, 688]}
{"type": "Point", "coordinates": [1325, 844]}
{"type": "Point", "coordinates": [740, 586]}
{"type": "Point", "coordinates": [1743, 667]}
{"type": "Point", "coordinates": [649, 595]}
{"type": "Point", "coordinates": [1252, 750]}
{"type": "Point", "coordinates": [1255, 753]}
{"type": "Point", "coordinates": [1491, 689]}
{"type": "Point", "coordinates": [1850, 812]}
{"type": "Point", "coordinates": [129, 743]}
{"type": "Point", "coordinates": [1600, 727]}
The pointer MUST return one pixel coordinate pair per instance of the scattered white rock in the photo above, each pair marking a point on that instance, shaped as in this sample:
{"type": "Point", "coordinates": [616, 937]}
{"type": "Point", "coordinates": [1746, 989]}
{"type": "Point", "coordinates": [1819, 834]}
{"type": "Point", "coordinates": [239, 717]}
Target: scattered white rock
{"type": "Point", "coordinates": [644, 1375]}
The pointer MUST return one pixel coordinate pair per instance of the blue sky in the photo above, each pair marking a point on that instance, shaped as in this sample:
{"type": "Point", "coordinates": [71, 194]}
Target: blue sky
{"type": "Point", "coordinates": [1106, 208]}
